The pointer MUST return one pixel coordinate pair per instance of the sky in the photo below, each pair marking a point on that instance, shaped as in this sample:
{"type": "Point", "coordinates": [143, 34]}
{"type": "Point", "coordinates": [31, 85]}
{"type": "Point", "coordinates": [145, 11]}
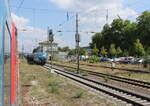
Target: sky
{"type": "Point", "coordinates": [33, 17]}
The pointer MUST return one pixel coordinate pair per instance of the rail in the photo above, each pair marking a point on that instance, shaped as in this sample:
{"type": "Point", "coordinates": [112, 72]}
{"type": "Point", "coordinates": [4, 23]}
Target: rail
{"type": "Point", "coordinates": [126, 95]}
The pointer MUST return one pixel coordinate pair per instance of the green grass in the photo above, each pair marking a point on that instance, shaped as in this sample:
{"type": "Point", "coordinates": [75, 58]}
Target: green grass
{"type": "Point", "coordinates": [84, 73]}
{"type": "Point", "coordinates": [139, 76]}
{"type": "Point", "coordinates": [134, 75]}
{"type": "Point", "coordinates": [106, 78]}
{"type": "Point", "coordinates": [35, 92]}
{"type": "Point", "coordinates": [79, 94]}
{"type": "Point", "coordinates": [53, 83]}
{"type": "Point", "coordinates": [55, 89]}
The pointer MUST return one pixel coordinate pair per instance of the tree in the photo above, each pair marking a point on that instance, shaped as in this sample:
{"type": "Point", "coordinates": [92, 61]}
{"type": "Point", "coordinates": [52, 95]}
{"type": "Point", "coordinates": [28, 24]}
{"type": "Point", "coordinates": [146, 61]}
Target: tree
{"type": "Point", "coordinates": [64, 49]}
{"type": "Point", "coordinates": [59, 48]}
{"type": "Point", "coordinates": [82, 51]}
{"type": "Point", "coordinates": [112, 50]}
{"type": "Point", "coordinates": [125, 53]}
{"type": "Point", "coordinates": [96, 40]}
{"type": "Point", "coordinates": [144, 28]}
{"type": "Point", "coordinates": [72, 52]}
{"type": "Point", "coordinates": [119, 51]}
{"type": "Point", "coordinates": [103, 51]}
{"type": "Point", "coordinates": [34, 50]}
{"type": "Point", "coordinates": [117, 33]}
{"type": "Point", "coordinates": [123, 34]}
{"type": "Point", "coordinates": [95, 50]}
{"type": "Point", "coordinates": [37, 49]}
{"type": "Point", "coordinates": [147, 61]}
{"type": "Point", "coordinates": [138, 48]}
{"type": "Point", "coordinates": [130, 35]}
{"type": "Point", "coordinates": [148, 51]}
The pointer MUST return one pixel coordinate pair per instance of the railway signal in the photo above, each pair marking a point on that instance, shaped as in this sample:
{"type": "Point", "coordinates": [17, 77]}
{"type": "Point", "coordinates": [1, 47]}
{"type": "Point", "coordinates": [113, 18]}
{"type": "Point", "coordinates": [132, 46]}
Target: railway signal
{"type": "Point", "coordinates": [51, 39]}
{"type": "Point", "coordinates": [50, 35]}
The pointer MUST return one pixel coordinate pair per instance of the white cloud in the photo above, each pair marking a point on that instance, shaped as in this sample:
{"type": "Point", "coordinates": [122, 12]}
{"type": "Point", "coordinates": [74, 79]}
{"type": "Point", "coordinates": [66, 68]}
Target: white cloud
{"type": "Point", "coordinates": [30, 36]}
{"type": "Point", "coordinates": [94, 11]}
{"type": "Point", "coordinates": [64, 3]}
{"type": "Point", "coordinates": [92, 16]}
{"type": "Point", "coordinates": [19, 21]}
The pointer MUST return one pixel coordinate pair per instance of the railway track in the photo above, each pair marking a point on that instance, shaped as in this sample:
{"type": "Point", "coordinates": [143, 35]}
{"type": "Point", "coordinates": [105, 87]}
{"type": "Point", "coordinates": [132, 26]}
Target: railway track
{"type": "Point", "coordinates": [134, 82]}
{"type": "Point", "coordinates": [125, 69]}
{"type": "Point", "coordinates": [130, 97]}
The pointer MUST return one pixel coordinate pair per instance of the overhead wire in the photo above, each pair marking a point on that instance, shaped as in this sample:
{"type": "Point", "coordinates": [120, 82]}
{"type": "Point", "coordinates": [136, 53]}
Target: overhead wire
{"type": "Point", "coordinates": [47, 10]}
{"type": "Point", "coordinates": [21, 3]}
{"type": "Point", "coordinates": [41, 9]}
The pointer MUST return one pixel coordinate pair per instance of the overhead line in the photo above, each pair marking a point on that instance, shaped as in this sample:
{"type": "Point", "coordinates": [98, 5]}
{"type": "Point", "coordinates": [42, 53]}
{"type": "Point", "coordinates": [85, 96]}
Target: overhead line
{"type": "Point", "coordinates": [66, 21]}
{"type": "Point", "coordinates": [20, 6]}
{"type": "Point", "coordinates": [41, 9]}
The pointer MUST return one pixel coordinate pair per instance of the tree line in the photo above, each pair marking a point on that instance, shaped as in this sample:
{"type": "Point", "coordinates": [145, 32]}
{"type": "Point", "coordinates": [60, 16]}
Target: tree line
{"type": "Point", "coordinates": [123, 37]}
{"type": "Point", "coordinates": [72, 51]}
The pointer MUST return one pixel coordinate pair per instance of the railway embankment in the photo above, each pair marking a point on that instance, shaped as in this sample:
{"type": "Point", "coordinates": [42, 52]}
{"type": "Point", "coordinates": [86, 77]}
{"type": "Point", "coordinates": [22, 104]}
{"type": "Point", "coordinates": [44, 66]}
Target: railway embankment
{"type": "Point", "coordinates": [40, 87]}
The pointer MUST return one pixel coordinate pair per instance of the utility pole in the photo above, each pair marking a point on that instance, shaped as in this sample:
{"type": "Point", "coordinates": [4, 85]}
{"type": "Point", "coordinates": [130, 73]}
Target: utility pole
{"type": "Point", "coordinates": [22, 50]}
{"type": "Point", "coordinates": [51, 39]}
{"type": "Point", "coordinates": [107, 17]}
{"type": "Point", "coordinates": [77, 37]}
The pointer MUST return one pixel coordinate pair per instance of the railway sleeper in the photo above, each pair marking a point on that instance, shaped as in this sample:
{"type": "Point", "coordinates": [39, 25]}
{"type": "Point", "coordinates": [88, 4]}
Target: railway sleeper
{"type": "Point", "coordinates": [78, 78]}
{"type": "Point", "coordinates": [125, 80]}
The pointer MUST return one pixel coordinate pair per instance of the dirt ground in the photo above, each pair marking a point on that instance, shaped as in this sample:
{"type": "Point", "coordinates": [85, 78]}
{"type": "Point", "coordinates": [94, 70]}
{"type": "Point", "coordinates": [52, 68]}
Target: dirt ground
{"type": "Point", "coordinates": [41, 88]}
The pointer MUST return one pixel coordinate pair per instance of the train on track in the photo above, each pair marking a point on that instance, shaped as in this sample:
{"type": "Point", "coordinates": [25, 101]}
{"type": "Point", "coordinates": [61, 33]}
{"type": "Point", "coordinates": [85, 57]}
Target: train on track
{"type": "Point", "coordinates": [37, 58]}
{"type": "Point", "coordinates": [9, 71]}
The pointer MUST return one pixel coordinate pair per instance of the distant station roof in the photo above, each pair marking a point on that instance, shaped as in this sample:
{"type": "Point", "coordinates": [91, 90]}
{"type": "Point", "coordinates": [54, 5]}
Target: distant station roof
{"type": "Point", "coordinates": [47, 43]}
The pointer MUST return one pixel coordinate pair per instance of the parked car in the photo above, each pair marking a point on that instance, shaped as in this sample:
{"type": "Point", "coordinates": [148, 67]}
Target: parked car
{"type": "Point", "coordinates": [125, 60]}
{"type": "Point", "coordinates": [139, 61]}
{"type": "Point", "coordinates": [82, 57]}
{"type": "Point", "coordinates": [128, 60]}
{"type": "Point", "coordinates": [104, 59]}
{"type": "Point", "coordinates": [117, 59]}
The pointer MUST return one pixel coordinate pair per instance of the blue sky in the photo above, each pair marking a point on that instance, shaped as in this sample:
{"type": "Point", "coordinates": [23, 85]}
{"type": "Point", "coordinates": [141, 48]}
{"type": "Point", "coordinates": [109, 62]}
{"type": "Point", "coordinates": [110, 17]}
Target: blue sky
{"type": "Point", "coordinates": [36, 15]}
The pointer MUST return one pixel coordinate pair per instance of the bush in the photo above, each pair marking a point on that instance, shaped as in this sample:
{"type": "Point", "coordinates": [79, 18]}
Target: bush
{"type": "Point", "coordinates": [106, 78]}
{"type": "Point", "coordinates": [85, 73]}
{"type": "Point", "coordinates": [129, 75]}
{"type": "Point", "coordinates": [35, 92]}
{"type": "Point", "coordinates": [93, 59]}
{"type": "Point", "coordinates": [53, 90]}
{"type": "Point", "coordinates": [79, 94]}
{"type": "Point", "coordinates": [53, 83]}
{"type": "Point", "coordinates": [146, 61]}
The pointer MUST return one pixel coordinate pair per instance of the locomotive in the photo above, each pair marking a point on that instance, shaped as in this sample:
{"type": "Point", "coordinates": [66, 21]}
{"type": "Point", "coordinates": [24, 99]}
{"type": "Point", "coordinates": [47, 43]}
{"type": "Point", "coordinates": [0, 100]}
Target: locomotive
{"type": "Point", "coordinates": [9, 71]}
{"type": "Point", "coordinates": [37, 58]}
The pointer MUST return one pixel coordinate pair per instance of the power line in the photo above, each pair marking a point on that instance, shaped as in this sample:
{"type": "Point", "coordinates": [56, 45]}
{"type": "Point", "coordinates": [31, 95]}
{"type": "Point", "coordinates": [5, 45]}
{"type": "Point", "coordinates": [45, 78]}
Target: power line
{"type": "Point", "coordinates": [66, 21]}
{"type": "Point", "coordinates": [50, 10]}
{"type": "Point", "coordinates": [41, 9]}
{"type": "Point", "coordinates": [134, 4]}
{"type": "Point", "coordinates": [20, 6]}
{"type": "Point", "coordinates": [81, 31]}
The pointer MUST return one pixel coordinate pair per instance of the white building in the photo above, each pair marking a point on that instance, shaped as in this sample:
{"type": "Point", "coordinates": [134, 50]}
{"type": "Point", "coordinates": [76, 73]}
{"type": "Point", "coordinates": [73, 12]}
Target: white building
{"type": "Point", "coordinates": [46, 47]}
